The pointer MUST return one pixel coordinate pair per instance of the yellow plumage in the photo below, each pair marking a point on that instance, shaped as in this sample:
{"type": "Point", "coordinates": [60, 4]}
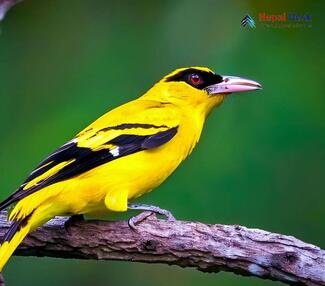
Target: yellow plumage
{"type": "Point", "coordinates": [122, 155]}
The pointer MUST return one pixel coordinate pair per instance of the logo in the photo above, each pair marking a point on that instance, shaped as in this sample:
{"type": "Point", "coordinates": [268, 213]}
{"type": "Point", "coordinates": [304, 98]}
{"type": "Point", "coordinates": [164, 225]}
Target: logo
{"type": "Point", "coordinates": [285, 20]}
{"type": "Point", "coordinates": [279, 20]}
{"type": "Point", "coordinates": [248, 20]}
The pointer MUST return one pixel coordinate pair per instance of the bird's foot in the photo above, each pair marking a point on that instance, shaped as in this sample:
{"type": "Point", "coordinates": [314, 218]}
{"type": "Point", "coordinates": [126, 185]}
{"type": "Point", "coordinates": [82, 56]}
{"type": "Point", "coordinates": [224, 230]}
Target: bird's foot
{"type": "Point", "coordinates": [133, 221]}
{"type": "Point", "coordinates": [72, 220]}
{"type": "Point", "coordinates": [148, 210]}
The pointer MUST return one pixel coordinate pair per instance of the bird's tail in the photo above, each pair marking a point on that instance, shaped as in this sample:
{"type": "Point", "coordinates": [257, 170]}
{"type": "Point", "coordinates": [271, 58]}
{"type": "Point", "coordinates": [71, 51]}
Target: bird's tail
{"type": "Point", "coordinates": [14, 236]}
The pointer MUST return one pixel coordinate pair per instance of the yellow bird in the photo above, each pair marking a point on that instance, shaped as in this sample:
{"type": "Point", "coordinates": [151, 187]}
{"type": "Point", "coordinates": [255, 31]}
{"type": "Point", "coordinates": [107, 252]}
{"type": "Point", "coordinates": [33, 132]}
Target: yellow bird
{"type": "Point", "coordinates": [124, 154]}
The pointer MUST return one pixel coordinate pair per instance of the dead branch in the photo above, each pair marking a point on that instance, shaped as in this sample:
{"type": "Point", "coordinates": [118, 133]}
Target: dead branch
{"type": "Point", "coordinates": [208, 248]}
{"type": "Point", "coordinates": [5, 5]}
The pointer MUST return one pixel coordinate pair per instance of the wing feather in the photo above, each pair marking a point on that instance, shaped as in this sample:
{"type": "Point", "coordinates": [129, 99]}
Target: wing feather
{"type": "Point", "coordinates": [110, 137]}
{"type": "Point", "coordinates": [72, 160]}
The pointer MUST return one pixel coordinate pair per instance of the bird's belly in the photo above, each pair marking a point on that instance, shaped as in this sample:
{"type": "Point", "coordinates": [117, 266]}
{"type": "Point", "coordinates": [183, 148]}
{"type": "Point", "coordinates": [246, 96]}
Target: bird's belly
{"type": "Point", "coordinates": [137, 174]}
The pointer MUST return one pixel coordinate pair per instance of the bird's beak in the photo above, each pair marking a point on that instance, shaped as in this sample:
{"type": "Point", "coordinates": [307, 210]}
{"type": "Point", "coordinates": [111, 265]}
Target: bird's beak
{"type": "Point", "coordinates": [232, 84]}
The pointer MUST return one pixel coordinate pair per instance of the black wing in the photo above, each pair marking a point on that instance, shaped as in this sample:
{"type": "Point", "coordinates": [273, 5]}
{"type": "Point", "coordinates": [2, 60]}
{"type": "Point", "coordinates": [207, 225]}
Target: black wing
{"type": "Point", "coordinates": [84, 159]}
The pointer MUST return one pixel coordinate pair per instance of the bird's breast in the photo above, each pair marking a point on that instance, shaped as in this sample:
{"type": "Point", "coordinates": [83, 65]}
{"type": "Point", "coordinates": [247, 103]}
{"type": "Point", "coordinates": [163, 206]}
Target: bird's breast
{"type": "Point", "coordinates": [143, 171]}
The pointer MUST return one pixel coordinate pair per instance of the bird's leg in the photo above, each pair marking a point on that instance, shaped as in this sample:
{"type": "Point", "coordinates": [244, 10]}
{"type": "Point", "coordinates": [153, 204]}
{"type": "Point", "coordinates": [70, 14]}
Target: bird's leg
{"type": "Point", "coordinates": [72, 219]}
{"type": "Point", "coordinates": [148, 210]}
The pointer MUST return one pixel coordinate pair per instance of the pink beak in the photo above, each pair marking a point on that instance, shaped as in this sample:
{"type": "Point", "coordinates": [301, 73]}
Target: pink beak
{"type": "Point", "coordinates": [232, 84]}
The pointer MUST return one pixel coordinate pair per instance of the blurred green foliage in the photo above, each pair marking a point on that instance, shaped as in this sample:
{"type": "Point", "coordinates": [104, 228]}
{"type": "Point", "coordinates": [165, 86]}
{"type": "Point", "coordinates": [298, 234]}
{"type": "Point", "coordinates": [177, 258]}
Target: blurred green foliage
{"type": "Point", "coordinates": [261, 160]}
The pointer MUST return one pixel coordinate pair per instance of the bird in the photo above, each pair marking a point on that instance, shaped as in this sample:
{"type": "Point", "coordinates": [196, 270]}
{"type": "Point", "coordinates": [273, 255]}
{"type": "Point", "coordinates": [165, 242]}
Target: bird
{"type": "Point", "coordinates": [124, 154]}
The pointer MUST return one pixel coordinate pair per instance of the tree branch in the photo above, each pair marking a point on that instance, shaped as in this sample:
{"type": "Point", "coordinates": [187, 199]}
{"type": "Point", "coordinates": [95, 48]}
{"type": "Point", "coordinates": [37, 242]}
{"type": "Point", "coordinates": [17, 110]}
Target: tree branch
{"type": "Point", "coordinates": [208, 248]}
{"type": "Point", "coordinates": [5, 6]}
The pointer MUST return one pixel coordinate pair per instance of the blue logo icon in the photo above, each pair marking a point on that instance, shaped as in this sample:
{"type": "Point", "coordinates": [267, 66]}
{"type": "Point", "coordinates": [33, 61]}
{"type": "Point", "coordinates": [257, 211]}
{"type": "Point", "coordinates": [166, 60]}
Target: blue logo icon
{"type": "Point", "coordinates": [248, 21]}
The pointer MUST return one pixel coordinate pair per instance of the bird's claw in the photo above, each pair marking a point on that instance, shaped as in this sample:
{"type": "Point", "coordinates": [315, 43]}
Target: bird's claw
{"type": "Point", "coordinates": [148, 211]}
{"type": "Point", "coordinates": [133, 221]}
{"type": "Point", "coordinates": [169, 216]}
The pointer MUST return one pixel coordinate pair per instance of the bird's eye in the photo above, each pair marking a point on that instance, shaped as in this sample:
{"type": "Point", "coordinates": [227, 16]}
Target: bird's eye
{"type": "Point", "coordinates": [195, 79]}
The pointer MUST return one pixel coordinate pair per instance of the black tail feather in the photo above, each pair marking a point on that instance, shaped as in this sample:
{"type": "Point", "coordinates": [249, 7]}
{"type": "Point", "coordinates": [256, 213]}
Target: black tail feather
{"type": "Point", "coordinates": [14, 227]}
{"type": "Point", "coordinates": [7, 202]}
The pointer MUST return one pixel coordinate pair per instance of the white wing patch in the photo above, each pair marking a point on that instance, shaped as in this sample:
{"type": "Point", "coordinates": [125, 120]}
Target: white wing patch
{"type": "Point", "coordinates": [74, 140]}
{"type": "Point", "coordinates": [115, 152]}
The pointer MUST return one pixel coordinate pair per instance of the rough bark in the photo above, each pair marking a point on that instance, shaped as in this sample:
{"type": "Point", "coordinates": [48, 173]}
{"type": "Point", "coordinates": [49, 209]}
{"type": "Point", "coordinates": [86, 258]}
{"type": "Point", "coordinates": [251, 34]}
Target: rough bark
{"type": "Point", "coordinates": [208, 248]}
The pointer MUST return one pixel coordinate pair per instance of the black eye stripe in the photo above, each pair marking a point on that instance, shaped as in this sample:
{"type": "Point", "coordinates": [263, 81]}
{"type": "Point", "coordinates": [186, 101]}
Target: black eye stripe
{"type": "Point", "coordinates": [207, 78]}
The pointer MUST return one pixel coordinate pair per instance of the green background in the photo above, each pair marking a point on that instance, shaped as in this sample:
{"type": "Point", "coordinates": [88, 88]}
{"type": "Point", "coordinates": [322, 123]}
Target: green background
{"type": "Point", "coordinates": [261, 160]}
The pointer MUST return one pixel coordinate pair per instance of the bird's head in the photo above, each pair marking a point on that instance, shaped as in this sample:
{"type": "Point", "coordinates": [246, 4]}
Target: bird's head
{"type": "Point", "coordinates": [198, 87]}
